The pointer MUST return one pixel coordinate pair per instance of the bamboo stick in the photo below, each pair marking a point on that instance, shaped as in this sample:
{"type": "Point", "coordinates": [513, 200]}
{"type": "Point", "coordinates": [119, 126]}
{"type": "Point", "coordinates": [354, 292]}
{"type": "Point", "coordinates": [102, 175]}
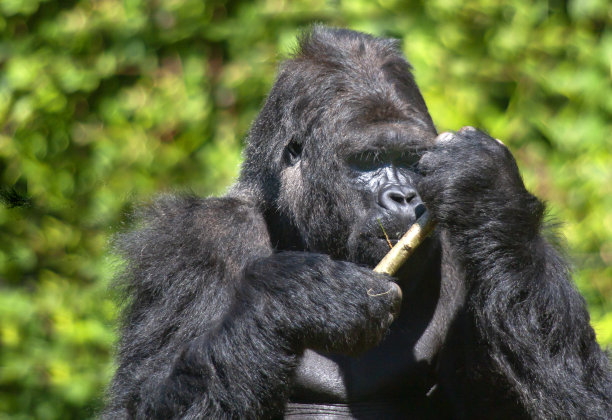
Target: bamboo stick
{"type": "Point", "coordinates": [398, 255]}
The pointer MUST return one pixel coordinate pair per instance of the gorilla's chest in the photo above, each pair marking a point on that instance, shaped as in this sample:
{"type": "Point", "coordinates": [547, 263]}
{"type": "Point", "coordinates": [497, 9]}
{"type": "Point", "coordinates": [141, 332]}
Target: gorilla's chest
{"type": "Point", "coordinates": [340, 379]}
{"type": "Point", "coordinates": [393, 370]}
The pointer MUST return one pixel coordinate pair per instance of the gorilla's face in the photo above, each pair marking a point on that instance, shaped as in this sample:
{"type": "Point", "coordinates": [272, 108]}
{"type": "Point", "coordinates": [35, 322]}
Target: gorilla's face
{"type": "Point", "coordinates": [381, 170]}
{"type": "Point", "coordinates": [385, 181]}
{"type": "Point", "coordinates": [354, 205]}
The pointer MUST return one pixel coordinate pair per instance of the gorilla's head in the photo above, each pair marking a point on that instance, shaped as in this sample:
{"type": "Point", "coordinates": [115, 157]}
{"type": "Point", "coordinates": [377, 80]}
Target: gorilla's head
{"type": "Point", "coordinates": [332, 155]}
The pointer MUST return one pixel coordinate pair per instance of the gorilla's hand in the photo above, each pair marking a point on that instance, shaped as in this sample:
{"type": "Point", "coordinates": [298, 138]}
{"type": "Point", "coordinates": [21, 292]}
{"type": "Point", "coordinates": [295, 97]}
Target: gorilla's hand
{"type": "Point", "coordinates": [319, 303]}
{"type": "Point", "coordinates": [473, 187]}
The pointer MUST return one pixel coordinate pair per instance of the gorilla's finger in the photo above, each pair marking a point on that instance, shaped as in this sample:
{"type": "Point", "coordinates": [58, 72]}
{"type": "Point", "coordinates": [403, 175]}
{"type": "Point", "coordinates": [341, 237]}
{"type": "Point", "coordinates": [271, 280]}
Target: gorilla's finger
{"type": "Point", "coordinates": [467, 130]}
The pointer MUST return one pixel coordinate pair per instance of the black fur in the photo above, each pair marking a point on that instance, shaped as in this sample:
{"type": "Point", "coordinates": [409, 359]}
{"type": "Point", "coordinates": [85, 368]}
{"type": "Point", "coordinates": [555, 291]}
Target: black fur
{"type": "Point", "coordinates": [225, 295]}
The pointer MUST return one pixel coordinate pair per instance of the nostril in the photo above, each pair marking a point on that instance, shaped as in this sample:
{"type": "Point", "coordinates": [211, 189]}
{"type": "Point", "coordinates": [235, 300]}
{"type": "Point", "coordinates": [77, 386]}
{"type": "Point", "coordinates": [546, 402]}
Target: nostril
{"type": "Point", "coordinates": [419, 210]}
{"type": "Point", "coordinates": [395, 197]}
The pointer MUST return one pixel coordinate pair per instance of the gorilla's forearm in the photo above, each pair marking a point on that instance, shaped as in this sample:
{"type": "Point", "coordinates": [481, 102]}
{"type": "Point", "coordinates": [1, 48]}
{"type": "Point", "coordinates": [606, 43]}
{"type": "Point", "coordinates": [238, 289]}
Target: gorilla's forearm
{"type": "Point", "coordinates": [286, 302]}
{"type": "Point", "coordinates": [530, 323]}
{"type": "Point", "coordinates": [242, 368]}
{"type": "Point", "coordinates": [522, 307]}
{"type": "Point", "coordinates": [182, 285]}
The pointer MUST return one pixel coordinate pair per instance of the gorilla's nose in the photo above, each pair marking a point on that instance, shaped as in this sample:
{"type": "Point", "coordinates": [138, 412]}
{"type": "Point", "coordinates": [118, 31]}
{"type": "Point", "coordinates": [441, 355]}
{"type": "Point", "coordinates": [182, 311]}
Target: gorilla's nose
{"type": "Point", "coordinates": [396, 198]}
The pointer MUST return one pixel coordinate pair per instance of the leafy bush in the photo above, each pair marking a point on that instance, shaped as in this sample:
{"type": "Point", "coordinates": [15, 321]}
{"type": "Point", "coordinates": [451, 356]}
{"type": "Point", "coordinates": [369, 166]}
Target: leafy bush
{"type": "Point", "coordinates": [103, 103]}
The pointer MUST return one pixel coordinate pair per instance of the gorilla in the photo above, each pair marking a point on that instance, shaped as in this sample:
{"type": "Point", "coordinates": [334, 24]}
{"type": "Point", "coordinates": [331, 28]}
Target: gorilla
{"type": "Point", "coordinates": [263, 303]}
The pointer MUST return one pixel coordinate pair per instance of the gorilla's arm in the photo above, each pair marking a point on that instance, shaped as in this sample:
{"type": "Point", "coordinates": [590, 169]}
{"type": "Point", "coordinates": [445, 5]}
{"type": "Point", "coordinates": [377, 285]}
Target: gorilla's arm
{"type": "Point", "coordinates": [216, 321]}
{"type": "Point", "coordinates": [184, 270]}
{"type": "Point", "coordinates": [523, 340]}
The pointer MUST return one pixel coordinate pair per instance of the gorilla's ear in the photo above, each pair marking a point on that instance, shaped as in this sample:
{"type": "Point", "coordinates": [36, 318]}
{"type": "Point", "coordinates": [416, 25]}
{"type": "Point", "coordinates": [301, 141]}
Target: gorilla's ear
{"type": "Point", "coordinates": [293, 152]}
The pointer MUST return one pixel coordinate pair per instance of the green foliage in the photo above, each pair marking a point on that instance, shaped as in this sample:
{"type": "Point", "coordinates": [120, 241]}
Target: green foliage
{"type": "Point", "coordinates": [105, 102]}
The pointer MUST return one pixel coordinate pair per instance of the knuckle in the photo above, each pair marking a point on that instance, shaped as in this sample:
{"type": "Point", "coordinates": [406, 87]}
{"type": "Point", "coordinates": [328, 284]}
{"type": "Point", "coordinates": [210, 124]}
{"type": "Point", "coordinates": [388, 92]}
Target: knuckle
{"type": "Point", "coordinates": [427, 162]}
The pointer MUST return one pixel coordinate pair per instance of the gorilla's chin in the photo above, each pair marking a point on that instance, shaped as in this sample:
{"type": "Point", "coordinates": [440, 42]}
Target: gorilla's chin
{"type": "Point", "coordinates": [368, 247]}
{"type": "Point", "coordinates": [372, 238]}
{"type": "Point", "coordinates": [367, 250]}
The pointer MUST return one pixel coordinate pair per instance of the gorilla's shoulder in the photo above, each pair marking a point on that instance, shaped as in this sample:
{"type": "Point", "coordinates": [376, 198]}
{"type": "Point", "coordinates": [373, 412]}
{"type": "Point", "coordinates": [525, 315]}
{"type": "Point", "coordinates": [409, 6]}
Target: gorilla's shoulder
{"type": "Point", "coordinates": [193, 212]}
{"type": "Point", "coordinates": [215, 230]}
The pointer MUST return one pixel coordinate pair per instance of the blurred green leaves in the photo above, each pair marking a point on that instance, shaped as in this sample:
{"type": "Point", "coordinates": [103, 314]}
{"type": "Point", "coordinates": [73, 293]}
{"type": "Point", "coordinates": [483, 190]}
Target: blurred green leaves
{"type": "Point", "coordinates": [105, 102]}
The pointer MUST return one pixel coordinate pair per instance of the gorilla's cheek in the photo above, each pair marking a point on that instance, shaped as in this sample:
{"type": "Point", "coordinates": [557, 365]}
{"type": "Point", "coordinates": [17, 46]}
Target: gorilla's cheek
{"type": "Point", "coordinates": [339, 221]}
{"type": "Point", "coordinates": [366, 242]}
{"type": "Point", "coordinates": [291, 187]}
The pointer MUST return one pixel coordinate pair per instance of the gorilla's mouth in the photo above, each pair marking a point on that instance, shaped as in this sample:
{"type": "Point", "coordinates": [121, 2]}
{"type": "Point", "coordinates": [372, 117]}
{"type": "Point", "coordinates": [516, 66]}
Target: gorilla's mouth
{"type": "Point", "coordinates": [392, 231]}
{"type": "Point", "coordinates": [394, 228]}
{"type": "Point", "coordinates": [369, 243]}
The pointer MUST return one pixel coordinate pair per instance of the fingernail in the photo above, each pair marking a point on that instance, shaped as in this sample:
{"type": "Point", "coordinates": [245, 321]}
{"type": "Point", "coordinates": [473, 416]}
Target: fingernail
{"type": "Point", "coordinates": [396, 288]}
{"type": "Point", "coordinates": [445, 137]}
{"type": "Point", "coordinates": [397, 301]}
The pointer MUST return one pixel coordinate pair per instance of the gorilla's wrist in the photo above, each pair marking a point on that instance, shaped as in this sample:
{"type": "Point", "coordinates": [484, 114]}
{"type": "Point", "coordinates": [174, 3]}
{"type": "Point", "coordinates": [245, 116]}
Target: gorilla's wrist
{"type": "Point", "coordinates": [497, 232]}
{"type": "Point", "coordinates": [517, 216]}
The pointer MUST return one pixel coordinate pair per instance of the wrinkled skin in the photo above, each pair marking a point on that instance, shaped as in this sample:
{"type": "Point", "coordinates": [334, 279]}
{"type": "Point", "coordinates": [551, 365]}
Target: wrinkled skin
{"type": "Point", "coordinates": [262, 303]}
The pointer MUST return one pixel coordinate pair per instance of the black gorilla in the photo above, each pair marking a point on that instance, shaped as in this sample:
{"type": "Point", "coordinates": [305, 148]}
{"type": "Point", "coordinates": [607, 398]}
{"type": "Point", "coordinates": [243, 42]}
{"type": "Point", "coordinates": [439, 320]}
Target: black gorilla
{"type": "Point", "coordinates": [262, 303]}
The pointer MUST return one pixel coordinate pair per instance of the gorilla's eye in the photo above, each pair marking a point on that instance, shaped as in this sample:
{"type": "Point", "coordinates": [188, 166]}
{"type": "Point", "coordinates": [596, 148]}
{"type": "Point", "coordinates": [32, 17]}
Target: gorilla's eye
{"type": "Point", "coordinates": [293, 152]}
{"type": "Point", "coordinates": [370, 161]}
{"type": "Point", "coordinates": [366, 161]}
